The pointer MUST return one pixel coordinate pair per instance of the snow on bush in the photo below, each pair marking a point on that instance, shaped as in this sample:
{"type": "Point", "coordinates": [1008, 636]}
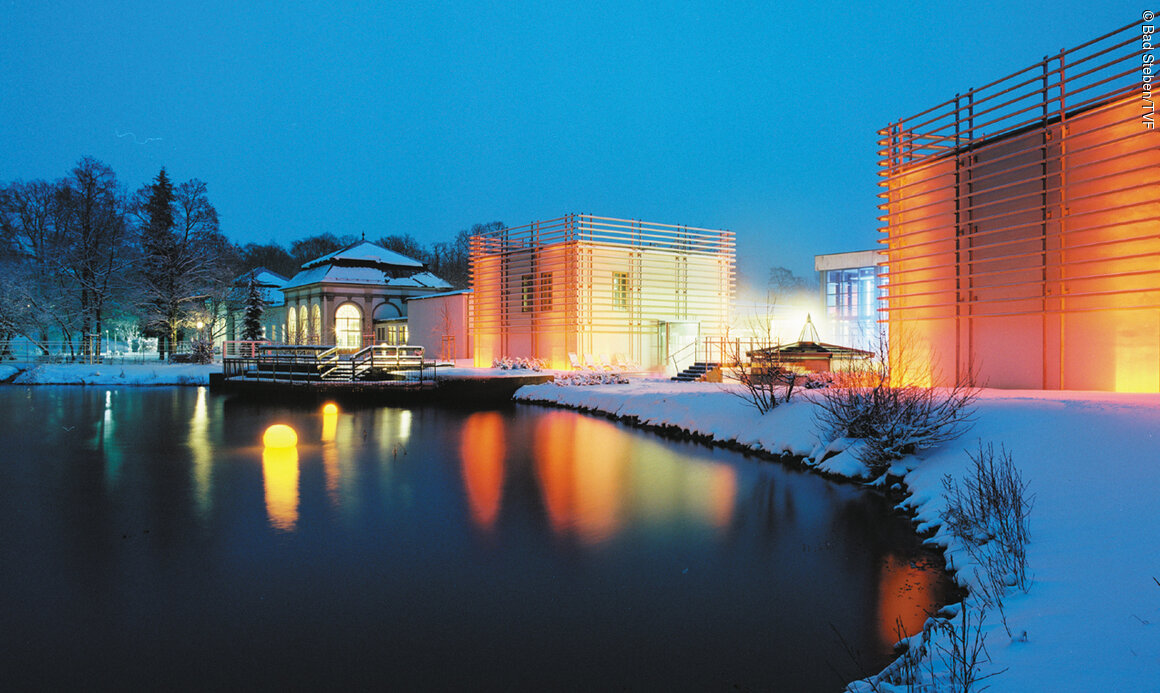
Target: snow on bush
{"type": "Point", "coordinates": [589, 378]}
{"type": "Point", "coordinates": [893, 421]}
{"type": "Point", "coordinates": [510, 364]}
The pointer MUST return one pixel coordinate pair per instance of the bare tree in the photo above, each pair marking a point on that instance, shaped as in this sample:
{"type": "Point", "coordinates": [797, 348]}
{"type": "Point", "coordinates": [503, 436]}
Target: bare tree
{"type": "Point", "coordinates": [95, 208]}
{"type": "Point", "coordinates": [765, 381]}
{"type": "Point", "coordinates": [68, 251]}
{"type": "Point", "coordinates": [306, 249]}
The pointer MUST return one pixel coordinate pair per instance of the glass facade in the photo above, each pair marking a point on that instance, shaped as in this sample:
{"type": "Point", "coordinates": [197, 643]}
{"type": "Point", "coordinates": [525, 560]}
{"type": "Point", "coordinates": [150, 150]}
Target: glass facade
{"type": "Point", "coordinates": [853, 296]}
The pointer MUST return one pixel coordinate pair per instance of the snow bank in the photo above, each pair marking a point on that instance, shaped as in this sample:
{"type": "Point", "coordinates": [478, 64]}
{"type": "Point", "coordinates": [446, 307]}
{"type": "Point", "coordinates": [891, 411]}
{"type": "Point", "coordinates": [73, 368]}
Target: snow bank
{"type": "Point", "coordinates": [1091, 619]}
{"type": "Point", "coordinates": [109, 374]}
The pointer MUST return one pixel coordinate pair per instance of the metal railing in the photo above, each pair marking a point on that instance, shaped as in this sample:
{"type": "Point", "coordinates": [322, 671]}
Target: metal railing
{"type": "Point", "coordinates": [323, 363]}
{"type": "Point", "coordinates": [114, 353]}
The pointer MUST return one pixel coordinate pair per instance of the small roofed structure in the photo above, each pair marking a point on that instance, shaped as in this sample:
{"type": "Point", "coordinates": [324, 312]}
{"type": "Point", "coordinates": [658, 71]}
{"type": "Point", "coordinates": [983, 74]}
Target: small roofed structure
{"type": "Point", "coordinates": [269, 284]}
{"type": "Point", "coordinates": [355, 295]}
{"type": "Point", "coordinates": [809, 353]}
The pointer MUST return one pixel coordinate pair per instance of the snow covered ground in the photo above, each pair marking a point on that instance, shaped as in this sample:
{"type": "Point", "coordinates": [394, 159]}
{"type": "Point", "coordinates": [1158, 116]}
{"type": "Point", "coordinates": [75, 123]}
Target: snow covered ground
{"type": "Point", "coordinates": [1091, 618]}
{"type": "Point", "coordinates": [108, 374]}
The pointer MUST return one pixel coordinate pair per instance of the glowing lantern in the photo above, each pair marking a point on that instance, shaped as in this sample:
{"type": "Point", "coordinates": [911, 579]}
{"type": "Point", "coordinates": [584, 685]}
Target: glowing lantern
{"type": "Point", "coordinates": [279, 436]}
{"type": "Point", "coordinates": [330, 408]}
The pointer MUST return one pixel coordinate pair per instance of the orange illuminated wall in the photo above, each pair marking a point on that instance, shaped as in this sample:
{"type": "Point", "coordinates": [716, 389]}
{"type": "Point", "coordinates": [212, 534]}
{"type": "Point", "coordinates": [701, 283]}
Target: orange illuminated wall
{"type": "Point", "coordinates": [597, 286]}
{"type": "Point", "coordinates": [1022, 228]}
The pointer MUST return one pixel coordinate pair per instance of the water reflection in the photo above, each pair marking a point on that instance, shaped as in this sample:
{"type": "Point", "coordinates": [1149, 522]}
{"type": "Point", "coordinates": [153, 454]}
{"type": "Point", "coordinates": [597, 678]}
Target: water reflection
{"type": "Point", "coordinates": [580, 469]}
{"type": "Point", "coordinates": [330, 465]}
{"type": "Point", "coordinates": [907, 589]}
{"type": "Point", "coordinates": [280, 480]}
{"type": "Point", "coordinates": [596, 538]}
{"type": "Point", "coordinates": [199, 446]}
{"type": "Point", "coordinates": [482, 450]}
{"type": "Point", "coordinates": [107, 447]}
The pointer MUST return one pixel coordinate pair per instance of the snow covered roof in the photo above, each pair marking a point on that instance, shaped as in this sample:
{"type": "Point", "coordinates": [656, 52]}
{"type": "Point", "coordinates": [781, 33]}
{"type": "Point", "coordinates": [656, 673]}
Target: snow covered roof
{"type": "Point", "coordinates": [364, 253]}
{"type": "Point", "coordinates": [441, 294]}
{"type": "Point", "coordinates": [261, 276]}
{"type": "Point", "coordinates": [269, 283]}
{"type": "Point", "coordinates": [421, 279]}
{"type": "Point", "coordinates": [370, 276]}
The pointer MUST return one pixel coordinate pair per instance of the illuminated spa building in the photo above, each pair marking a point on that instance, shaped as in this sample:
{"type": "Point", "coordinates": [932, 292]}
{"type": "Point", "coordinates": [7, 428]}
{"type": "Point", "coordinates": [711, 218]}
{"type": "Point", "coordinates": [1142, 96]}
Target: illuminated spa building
{"type": "Point", "coordinates": [587, 289]}
{"type": "Point", "coordinates": [1022, 228]}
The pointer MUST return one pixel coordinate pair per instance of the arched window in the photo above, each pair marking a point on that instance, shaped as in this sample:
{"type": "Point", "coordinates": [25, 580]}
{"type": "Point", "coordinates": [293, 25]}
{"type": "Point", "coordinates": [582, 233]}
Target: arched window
{"type": "Point", "coordinates": [291, 325]}
{"type": "Point", "coordinates": [348, 326]}
{"type": "Point", "coordinates": [304, 327]}
{"type": "Point", "coordinates": [316, 323]}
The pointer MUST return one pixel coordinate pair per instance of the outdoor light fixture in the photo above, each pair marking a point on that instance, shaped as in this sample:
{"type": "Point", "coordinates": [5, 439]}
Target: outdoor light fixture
{"type": "Point", "coordinates": [279, 436]}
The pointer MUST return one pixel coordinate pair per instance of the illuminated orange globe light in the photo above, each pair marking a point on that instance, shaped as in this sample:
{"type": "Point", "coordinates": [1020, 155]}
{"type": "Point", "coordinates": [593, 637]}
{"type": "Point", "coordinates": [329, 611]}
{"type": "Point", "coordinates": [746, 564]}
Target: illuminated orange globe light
{"type": "Point", "coordinates": [330, 408]}
{"type": "Point", "coordinates": [279, 436]}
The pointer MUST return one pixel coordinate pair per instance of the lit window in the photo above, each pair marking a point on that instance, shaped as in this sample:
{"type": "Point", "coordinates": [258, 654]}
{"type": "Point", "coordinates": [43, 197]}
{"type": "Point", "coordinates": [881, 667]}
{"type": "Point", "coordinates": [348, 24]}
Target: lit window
{"type": "Point", "coordinates": [527, 289]}
{"type": "Point", "coordinates": [545, 291]}
{"type": "Point", "coordinates": [348, 326]}
{"type": "Point", "coordinates": [620, 290]}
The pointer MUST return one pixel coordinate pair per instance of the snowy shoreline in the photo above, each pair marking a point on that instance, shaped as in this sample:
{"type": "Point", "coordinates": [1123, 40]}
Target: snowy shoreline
{"type": "Point", "coordinates": [1091, 618]}
{"type": "Point", "coordinates": [107, 374]}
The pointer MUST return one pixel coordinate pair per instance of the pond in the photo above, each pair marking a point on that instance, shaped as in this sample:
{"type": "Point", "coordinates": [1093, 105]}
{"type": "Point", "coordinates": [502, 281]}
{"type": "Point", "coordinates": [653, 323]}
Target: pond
{"type": "Point", "coordinates": [149, 539]}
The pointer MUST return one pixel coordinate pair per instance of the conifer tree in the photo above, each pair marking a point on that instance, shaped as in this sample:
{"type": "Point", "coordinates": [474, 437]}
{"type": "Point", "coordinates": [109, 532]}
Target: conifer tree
{"type": "Point", "coordinates": [159, 250]}
{"type": "Point", "coordinates": [255, 306]}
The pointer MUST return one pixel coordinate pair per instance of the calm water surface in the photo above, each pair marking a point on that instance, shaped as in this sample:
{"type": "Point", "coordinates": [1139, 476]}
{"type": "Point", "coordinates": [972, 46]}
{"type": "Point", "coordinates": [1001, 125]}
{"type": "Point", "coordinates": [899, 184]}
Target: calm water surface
{"type": "Point", "coordinates": [148, 539]}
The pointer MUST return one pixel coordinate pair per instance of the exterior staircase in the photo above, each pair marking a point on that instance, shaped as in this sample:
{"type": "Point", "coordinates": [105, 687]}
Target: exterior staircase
{"type": "Point", "coordinates": [697, 371]}
{"type": "Point", "coordinates": [341, 370]}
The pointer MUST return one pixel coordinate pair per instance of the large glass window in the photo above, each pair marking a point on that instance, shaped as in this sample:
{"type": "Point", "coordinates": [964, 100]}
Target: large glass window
{"type": "Point", "coordinates": [305, 336]}
{"type": "Point", "coordinates": [291, 325]}
{"type": "Point", "coordinates": [316, 323]}
{"type": "Point", "coordinates": [348, 326]}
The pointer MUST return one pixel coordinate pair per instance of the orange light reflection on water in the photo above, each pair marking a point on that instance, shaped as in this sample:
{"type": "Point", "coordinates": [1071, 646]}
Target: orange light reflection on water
{"type": "Point", "coordinates": [482, 449]}
{"type": "Point", "coordinates": [280, 477]}
{"type": "Point", "coordinates": [581, 469]}
{"type": "Point", "coordinates": [906, 594]}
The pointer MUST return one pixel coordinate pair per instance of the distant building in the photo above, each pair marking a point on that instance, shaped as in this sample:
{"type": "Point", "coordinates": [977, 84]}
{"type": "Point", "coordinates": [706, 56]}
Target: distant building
{"type": "Point", "coordinates": [349, 298]}
{"type": "Point", "coordinates": [583, 288]}
{"type": "Point", "coordinates": [1022, 228]}
{"type": "Point", "coordinates": [269, 285]}
{"type": "Point", "coordinates": [852, 286]}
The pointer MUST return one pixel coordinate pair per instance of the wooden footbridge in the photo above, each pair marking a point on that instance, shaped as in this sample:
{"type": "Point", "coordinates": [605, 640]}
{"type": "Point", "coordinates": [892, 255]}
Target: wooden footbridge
{"type": "Point", "coordinates": [380, 373]}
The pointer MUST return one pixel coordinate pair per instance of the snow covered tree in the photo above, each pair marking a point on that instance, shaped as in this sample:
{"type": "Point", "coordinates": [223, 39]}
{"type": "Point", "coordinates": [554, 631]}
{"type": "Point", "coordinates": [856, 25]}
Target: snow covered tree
{"type": "Point", "coordinates": [255, 306]}
{"type": "Point", "coordinates": [183, 256]}
{"type": "Point", "coordinates": [97, 229]}
{"type": "Point", "coordinates": [67, 250]}
{"type": "Point", "coordinates": [161, 280]}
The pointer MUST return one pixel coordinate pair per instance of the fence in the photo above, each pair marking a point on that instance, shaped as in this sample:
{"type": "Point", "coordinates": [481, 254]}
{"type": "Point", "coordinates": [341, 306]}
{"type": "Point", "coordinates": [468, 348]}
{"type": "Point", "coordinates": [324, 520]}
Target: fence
{"type": "Point", "coordinates": [26, 351]}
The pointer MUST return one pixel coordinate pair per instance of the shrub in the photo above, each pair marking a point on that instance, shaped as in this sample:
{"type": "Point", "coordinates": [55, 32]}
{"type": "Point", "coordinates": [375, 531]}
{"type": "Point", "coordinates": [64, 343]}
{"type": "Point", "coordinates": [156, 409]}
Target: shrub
{"type": "Point", "coordinates": [876, 403]}
{"type": "Point", "coordinates": [894, 421]}
{"type": "Point", "coordinates": [201, 351]}
{"type": "Point", "coordinates": [989, 514]}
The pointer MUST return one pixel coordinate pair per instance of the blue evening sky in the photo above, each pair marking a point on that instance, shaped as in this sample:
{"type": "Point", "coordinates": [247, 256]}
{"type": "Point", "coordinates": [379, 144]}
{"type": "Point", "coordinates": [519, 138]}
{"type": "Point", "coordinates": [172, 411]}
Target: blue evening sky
{"type": "Point", "coordinates": [426, 117]}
